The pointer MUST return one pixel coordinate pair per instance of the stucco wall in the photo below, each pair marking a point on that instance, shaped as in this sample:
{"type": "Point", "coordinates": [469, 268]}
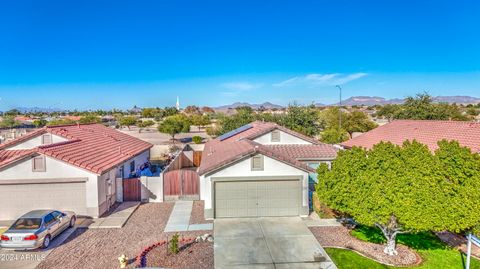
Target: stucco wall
{"type": "Point", "coordinates": [272, 167]}
{"type": "Point", "coordinates": [36, 141]}
{"type": "Point", "coordinates": [139, 160]}
{"type": "Point", "coordinates": [55, 169]}
{"type": "Point", "coordinates": [285, 138]}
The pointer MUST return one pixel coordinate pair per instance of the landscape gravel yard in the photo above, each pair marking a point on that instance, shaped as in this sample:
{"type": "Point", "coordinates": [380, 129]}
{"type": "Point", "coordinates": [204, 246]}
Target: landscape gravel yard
{"type": "Point", "coordinates": [197, 216]}
{"type": "Point", "coordinates": [340, 237]}
{"type": "Point", "coordinates": [200, 253]}
{"type": "Point", "coordinates": [100, 248]}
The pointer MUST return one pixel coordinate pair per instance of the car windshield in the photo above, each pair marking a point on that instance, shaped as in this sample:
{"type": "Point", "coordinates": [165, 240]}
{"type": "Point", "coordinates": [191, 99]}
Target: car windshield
{"type": "Point", "coordinates": [27, 224]}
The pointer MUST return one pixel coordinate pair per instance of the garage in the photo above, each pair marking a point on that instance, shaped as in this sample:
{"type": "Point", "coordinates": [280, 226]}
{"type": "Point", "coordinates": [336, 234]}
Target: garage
{"type": "Point", "coordinates": [17, 199]}
{"type": "Point", "coordinates": [257, 198]}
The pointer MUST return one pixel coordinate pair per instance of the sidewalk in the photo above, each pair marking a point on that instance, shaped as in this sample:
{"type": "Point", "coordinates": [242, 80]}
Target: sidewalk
{"type": "Point", "coordinates": [116, 219]}
{"type": "Point", "coordinates": [179, 220]}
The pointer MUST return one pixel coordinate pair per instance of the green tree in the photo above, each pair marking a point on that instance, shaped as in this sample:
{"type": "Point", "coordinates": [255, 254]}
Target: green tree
{"type": "Point", "coordinates": [40, 123]}
{"type": "Point", "coordinates": [357, 121]}
{"type": "Point", "coordinates": [303, 119]}
{"type": "Point", "coordinates": [200, 120]}
{"type": "Point", "coordinates": [9, 121]}
{"type": "Point", "coordinates": [169, 111]}
{"type": "Point", "coordinates": [421, 107]}
{"type": "Point", "coordinates": [174, 125]}
{"type": "Point", "coordinates": [334, 136]}
{"type": "Point", "coordinates": [405, 188]}
{"type": "Point", "coordinates": [389, 111]}
{"type": "Point", "coordinates": [127, 121]}
{"type": "Point", "coordinates": [57, 122]}
{"type": "Point", "coordinates": [144, 124]}
{"type": "Point", "coordinates": [89, 118]}
{"type": "Point", "coordinates": [150, 112]}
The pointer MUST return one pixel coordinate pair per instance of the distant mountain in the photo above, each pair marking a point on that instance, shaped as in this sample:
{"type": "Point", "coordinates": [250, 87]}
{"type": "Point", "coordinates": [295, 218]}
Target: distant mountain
{"type": "Point", "coordinates": [266, 105]}
{"type": "Point", "coordinates": [457, 99]}
{"type": "Point", "coordinates": [375, 100]}
{"type": "Point", "coordinates": [24, 110]}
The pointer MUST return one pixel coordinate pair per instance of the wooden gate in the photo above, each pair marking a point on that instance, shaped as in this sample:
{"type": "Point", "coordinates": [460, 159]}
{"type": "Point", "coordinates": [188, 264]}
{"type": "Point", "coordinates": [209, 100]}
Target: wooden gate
{"type": "Point", "coordinates": [197, 158]}
{"type": "Point", "coordinates": [132, 189]}
{"type": "Point", "coordinates": [181, 184]}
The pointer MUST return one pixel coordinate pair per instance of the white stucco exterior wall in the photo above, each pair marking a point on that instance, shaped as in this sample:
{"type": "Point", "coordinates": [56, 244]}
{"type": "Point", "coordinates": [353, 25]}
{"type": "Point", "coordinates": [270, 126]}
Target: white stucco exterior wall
{"type": "Point", "coordinates": [285, 138]}
{"type": "Point", "coordinates": [54, 169]}
{"type": "Point", "coordinates": [139, 160]}
{"type": "Point", "coordinates": [36, 141]}
{"type": "Point", "coordinates": [272, 167]}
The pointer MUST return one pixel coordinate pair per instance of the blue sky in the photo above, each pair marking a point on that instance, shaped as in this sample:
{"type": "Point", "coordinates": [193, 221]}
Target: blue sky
{"type": "Point", "coordinates": [105, 54]}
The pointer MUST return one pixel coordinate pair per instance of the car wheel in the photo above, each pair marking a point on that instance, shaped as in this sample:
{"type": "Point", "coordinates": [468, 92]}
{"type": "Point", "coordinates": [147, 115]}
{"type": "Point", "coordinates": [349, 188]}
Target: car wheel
{"type": "Point", "coordinates": [72, 222]}
{"type": "Point", "coordinates": [46, 241]}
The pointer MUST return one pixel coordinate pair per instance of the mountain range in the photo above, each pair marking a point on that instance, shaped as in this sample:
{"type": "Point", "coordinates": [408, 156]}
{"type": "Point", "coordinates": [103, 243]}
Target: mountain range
{"type": "Point", "coordinates": [362, 100]}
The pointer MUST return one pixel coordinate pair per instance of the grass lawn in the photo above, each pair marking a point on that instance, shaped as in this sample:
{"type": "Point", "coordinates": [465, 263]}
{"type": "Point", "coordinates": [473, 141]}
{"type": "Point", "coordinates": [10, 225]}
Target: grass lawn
{"type": "Point", "coordinates": [435, 253]}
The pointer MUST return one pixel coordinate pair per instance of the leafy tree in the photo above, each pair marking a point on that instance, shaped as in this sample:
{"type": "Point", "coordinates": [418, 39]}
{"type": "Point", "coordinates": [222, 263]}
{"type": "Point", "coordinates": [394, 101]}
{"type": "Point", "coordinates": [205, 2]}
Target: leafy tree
{"type": "Point", "coordinates": [197, 139]}
{"type": "Point", "coordinates": [200, 120]}
{"type": "Point", "coordinates": [405, 188]}
{"type": "Point", "coordinates": [169, 111]}
{"type": "Point", "coordinates": [174, 125]}
{"type": "Point", "coordinates": [89, 118]}
{"type": "Point", "coordinates": [357, 121]}
{"type": "Point", "coordinates": [229, 123]}
{"type": "Point", "coordinates": [150, 112]}
{"type": "Point", "coordinates": [144, 124]}
{"type": "Point", "coordinates": [57, 122]}
{"type": "Point", "coordinates": [334, 136]}
{"type": "Point", "coordinates": [192, 110]}
{"type": "Point", "coordinates": [127, 121]}
{"type": "Point", "coordinates": [303, 119]}
{"type": "Point", "coordinates": [389, 111]}
{"type": "Point", "coordinates": [12, 112]}
{"type": "Point", "coordinates": [472, 111]}
{"type": "Point", "coordinates": [40, 123]}
{"type": "Point", "coordinates": [9, 121]}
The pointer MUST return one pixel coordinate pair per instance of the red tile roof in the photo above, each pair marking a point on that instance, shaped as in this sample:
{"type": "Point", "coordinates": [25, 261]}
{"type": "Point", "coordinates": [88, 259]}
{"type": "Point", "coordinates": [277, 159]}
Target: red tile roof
{"type": "Point", "coordinates": [10, 156]}
{"type": "Point", "coordinates": [93, 147]}
{"type": "Point", "coordinates": [218, 153]}
{"type": "Point", "coordinates": [427, 132]}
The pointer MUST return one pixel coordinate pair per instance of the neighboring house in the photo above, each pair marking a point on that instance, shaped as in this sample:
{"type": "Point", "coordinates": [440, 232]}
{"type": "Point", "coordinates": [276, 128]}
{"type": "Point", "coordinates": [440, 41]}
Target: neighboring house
{"type": "Point", "coordinates": [260, 169]}
{"type": "Point", "coordinates": [427, 132]}
{"type": "Point", "coordinates": [71, 167]}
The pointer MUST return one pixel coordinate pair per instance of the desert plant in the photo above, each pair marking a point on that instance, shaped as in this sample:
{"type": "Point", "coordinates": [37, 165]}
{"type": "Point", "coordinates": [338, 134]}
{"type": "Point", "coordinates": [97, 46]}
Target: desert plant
{"type": "Point", "coordinates": [173, 244]}
{"type": "Point", "coordinates": [197, 139]}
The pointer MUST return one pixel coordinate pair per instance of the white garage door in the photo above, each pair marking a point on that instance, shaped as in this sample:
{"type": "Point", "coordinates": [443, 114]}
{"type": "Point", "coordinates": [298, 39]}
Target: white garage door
{"type": "Point", "coordinates": [257, 198]}
{"type": "Point", "coordinates": [18, 199]}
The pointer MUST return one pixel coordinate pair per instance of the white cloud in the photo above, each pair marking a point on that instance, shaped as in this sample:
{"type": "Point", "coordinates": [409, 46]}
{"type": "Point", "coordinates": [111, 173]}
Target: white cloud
{"type": "Point", "coordinates": [320, 79]}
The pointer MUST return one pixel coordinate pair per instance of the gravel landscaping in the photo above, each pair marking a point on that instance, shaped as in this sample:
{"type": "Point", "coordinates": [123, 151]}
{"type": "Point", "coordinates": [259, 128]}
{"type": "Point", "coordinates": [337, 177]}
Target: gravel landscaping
{"type": "Point", "coordinates": [100, 248]}
{"type": "Point", "coordinates": [192, 255]}
{"type": "Point", "coordinates": [340, 237]}
{"type": "Point", "coordinates": [197, 216]}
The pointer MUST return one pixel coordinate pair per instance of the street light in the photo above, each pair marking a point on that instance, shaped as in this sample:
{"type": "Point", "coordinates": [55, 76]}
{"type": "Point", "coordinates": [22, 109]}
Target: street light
{"type": "Point", "coordinates": [339, 109]}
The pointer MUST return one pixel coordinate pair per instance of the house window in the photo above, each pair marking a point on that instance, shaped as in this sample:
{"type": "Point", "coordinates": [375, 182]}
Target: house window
{"type": "Point", "coordinates": [132, 167]}
{"type": "Point", "coordinates": [38, 164]}
{"type": "Point", "coordinates": [46, 139]}
{"type": "Point", "coordinates": [257, 163]}
{"type": "Point", "coordinates": [275, 136]}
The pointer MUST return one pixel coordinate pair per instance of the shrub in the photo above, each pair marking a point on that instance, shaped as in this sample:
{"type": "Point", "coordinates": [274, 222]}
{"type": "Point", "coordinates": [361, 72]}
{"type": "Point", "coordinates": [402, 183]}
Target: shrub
{"type": "Point", "coordinates": [197, 139]}
{"type": "Point", "coordinates": [173, 244]}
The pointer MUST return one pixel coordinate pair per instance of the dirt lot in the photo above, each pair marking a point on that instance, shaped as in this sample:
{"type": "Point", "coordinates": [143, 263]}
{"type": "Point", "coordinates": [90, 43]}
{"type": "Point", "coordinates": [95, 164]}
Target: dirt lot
{"type": "Point", "coordinates": [100, 248]}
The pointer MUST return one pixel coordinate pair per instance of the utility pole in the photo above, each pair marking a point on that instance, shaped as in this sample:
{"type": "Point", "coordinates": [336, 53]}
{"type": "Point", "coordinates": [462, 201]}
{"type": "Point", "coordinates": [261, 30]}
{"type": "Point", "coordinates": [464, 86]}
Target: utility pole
{"type": "Point", "coordinates": [339, 110]}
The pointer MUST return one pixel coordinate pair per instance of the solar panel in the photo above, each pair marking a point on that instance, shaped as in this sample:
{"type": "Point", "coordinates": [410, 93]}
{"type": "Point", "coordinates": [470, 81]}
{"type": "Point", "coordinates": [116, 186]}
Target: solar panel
{"type": "Point", "coordinates": [235, 132]}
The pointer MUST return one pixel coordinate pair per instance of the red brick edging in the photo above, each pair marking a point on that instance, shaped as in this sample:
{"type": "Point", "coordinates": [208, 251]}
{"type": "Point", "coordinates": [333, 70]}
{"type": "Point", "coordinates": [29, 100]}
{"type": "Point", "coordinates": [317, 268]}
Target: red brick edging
{"type": "Point", "coordinates": [141, 259]}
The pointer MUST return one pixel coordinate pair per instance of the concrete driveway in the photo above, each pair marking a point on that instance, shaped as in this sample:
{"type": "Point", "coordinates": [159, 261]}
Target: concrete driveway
{"type": "Point", "coordinates": [29, 259]}
{"type": "Point", "coordinates": [283, 242]}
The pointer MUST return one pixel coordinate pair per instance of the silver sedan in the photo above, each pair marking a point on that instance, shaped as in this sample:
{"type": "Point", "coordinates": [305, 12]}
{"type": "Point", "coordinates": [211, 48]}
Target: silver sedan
{"type": "Point", "coordinates": [36, 229]}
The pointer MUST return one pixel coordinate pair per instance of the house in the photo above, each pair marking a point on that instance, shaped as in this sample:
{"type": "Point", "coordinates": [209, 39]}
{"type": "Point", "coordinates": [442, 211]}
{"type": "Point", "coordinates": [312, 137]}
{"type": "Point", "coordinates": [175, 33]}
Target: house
{"type": "Point", "coordinates": [260, 169]}
{"type": "Point", "coordinates": [427, 132]}
{"type": "Point", "coordinates": [70, 167]}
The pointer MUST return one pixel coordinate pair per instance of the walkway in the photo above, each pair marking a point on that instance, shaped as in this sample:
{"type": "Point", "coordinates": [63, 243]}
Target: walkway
{"type": "Point", "coordinates": [116, 219]}
{"type": "Point", "coordinates": [179, 220]}
{"type": "Point", "coordinates": [267, 243]}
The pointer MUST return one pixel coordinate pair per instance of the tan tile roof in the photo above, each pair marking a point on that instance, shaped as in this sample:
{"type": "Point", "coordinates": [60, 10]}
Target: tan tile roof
{"type": "Point", "coordinates": [218, 153]}
{"type": "Point", "coordinates": [428, 132]}
{"type": "Point", "coordinates": [93, 147]}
